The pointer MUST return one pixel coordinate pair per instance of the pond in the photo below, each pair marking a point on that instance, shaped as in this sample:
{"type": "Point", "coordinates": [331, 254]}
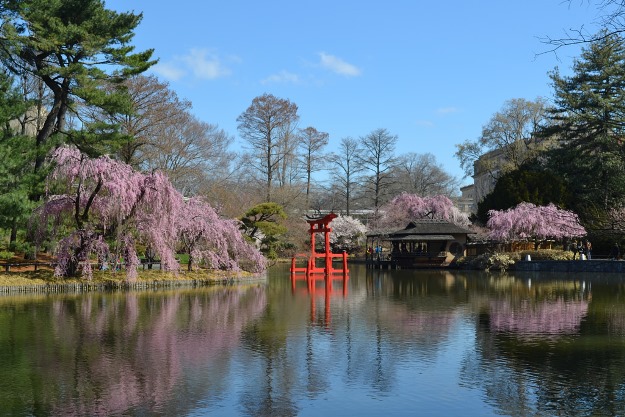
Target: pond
{"type": "Point", "coordinates": [393, 343]}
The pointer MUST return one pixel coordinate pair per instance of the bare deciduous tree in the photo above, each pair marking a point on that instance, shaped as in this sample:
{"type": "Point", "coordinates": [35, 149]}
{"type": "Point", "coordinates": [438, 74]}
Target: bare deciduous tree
{"type": "Point", "coordinates": [512, 131]}
{"type": "Point", "coordinates": [312, 142]}
{"type": "Point", "coordinates": [420, 174]}
{"type": "Point", "coordinates": [265, 126]}
{"type": "Point", "coordinates": [610, 21]}
{"type": "Point", "coordinates": [155, 108]}
{"type": "Point", "coordinates": [346, 168]}
{"type": "Point", "coordinates": [378, 157]}
{"type": "Point", "coordinates": [191, 153]}
{"type": "Point", "coordinates": [289, 171]}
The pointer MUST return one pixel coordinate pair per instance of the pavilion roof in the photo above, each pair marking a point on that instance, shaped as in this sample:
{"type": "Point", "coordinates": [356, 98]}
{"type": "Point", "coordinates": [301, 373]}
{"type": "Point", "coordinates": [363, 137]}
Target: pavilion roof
{"type": "Point", "coordinates": [423, 227]}
{"type": "Point", "coordinates": [406, 238]}
{"type": "Point", "coordinates": [430, 227]}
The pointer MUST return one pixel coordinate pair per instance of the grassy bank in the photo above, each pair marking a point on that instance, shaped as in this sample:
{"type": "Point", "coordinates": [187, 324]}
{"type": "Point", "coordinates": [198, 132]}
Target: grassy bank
{"type": "Point", "coordinates": [45, 281]}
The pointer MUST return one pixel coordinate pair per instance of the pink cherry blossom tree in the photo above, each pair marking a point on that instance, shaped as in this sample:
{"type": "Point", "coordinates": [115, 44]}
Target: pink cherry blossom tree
{"type": "Point", "coordinates": [215, 241]}
{"type": "Point", "coordinates": [407, 207]}
{"type": "Point", "coordinates": [104, 208]}
{"type": "Point", "coordinates": [527, 221]}
{"type": "Point", "coordinates": [96, 199]}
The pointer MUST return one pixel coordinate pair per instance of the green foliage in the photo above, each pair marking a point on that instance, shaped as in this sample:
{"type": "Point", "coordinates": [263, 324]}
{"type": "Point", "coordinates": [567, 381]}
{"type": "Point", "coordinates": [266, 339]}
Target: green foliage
{"type": "Point", "coordinates": [496, 261]}
{"type": "Point", "coordinates": [588, 119]}
{"type": "Point", "coordinates": [183, 258]}
{"type": "Point", "coordinates": [501, 261]}
{"type": "Point", "coordinates": [263, 223]}
{"type": "Point", "coordinates": [538, 187]}
{"type": "Point", "coordinates": [17, 180]}
{"type": "Point", "coordinates": [548, 255]}
{"type": "Point", "coordinates": [97, 138]}
{"type": "Point", "coordinates": [76, 48]}
{"type": "Point", "coordinates": [78, 53]}
{"type": "Point", "coordinates": [265, 218]}
{"type": "Point", "coordinates": [21, 246]}
{"type": "Point", "coordinates": [5, 255]}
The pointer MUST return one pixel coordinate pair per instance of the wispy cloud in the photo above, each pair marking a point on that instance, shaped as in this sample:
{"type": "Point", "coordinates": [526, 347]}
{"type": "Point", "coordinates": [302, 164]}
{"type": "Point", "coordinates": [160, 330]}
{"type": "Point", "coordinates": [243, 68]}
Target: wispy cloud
{"type": "Point", "coordinates": [205, 65]}
{"type": "Point", "coordinates": [201, 63]}
{"type": "Point", "coordinates": [447, 110]}
{"type": "Point", "coordinates": [169, 70]}
{"type": "Point", "coordinates": [337, 65]}
{"type": "Point", "coordinates": [441, 112]}
{"type": "Point", "coordinates": [282, 77]}
{"type": "Point", "coordinates": [424, 123]}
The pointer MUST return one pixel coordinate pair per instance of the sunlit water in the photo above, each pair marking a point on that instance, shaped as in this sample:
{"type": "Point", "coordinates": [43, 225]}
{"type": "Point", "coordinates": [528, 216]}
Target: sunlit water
{"type": "Point", "coordinates": [392, 343]}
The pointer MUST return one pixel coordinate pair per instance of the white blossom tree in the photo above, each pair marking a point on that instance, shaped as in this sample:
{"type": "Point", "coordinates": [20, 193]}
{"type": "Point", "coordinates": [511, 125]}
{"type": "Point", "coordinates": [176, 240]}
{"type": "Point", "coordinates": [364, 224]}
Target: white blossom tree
{"type": "Point", "coordinates": [347, 233]}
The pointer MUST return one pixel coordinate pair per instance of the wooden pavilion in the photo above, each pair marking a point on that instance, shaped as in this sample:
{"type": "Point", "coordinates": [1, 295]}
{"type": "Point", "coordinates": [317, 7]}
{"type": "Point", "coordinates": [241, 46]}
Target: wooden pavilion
{"type": "Point", "coordinates": [422, 243]}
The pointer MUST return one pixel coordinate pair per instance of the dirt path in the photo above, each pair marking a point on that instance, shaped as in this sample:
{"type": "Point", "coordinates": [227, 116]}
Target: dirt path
{"type": "Point", "coordinates": [18, 264]}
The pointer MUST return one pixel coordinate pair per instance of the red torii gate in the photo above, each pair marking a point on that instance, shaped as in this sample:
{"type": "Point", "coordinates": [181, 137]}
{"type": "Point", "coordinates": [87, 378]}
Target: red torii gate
{"type": "Point", "coordinates": [312, 271]}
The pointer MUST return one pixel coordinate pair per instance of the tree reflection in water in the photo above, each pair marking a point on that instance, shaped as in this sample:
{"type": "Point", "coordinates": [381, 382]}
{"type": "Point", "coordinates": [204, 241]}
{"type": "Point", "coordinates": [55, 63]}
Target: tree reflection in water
{"type": "Point", "coordinates": [543, 349]}
{"type": "Point", "coordinates": [112, 354]}
{"type": "Point", "coordinates": [441, 342]}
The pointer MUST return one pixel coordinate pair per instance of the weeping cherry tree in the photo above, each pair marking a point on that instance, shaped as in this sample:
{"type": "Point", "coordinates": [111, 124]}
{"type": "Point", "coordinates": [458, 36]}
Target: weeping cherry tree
{"type": "Point", "coordinates": [217, 242]}
{"type": "Point", "coordinates": [407, 207]}
{"type": "Point", "coordinates": [527, 221]}
{"type": "Point", "coordinates": [104, 208]}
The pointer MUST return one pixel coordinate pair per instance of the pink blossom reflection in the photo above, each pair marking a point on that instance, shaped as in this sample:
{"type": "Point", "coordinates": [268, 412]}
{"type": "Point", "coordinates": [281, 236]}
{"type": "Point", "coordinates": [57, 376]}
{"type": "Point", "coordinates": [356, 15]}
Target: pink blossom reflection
{"type": "Point", "coordinates": [538, 319]}
{"type": "Point", "coordinates": [126, 352]}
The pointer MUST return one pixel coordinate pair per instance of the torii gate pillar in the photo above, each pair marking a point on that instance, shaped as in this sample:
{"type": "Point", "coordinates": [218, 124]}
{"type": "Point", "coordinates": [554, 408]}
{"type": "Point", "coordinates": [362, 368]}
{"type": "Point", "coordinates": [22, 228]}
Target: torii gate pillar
{"type": "Point", "coordinates": [321, 225]}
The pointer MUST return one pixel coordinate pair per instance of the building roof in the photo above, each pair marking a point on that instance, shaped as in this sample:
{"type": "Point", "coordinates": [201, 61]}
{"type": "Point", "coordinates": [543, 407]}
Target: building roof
{"type": "Point", "coordinates": [420, 238]}
{"type": "Point", "coordinates": [430, 227]}
{"type": "Point", "coordinates": [423, 228]}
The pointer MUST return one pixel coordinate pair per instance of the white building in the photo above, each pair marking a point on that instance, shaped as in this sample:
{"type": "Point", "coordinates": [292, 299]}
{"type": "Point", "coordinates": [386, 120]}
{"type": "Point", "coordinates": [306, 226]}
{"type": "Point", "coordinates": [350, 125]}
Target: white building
{"type": "Point", "coordinates": [466, 203]}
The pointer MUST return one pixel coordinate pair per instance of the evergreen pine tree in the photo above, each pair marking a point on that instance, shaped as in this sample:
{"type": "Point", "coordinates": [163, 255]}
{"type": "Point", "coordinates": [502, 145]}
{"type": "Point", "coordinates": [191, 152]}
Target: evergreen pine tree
{"type": "Point", "coordinates": [75, 47]}
{"type": "Point", "coordinates": [589, 123]}
{"type": "Point", "coordinates": [16, 156]}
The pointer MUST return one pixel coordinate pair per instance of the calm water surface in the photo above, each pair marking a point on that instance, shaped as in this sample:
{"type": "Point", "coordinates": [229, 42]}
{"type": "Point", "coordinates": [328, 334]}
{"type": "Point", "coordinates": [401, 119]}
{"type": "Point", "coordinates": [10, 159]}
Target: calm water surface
{"type": "Point", "coordinates": [392, 343]}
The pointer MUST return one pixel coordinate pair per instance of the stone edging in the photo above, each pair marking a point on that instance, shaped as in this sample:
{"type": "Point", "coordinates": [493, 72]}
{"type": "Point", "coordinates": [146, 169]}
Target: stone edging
{"type": "Point", "coordinates": [601, 265]}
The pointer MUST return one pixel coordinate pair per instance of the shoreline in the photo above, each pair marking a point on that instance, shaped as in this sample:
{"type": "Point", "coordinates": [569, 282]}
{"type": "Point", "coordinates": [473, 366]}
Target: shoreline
{"type": "Point", "coordinates": [593, 265]}
{"type": "Point", "coordinates": [43, 282]}
{"type": "Point", "coordinates": [602, 265]}
{"type": "Point", "coordinates": [125, 286]}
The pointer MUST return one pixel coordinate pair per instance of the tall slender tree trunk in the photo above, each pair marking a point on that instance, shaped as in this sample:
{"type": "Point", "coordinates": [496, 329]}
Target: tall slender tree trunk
{"type": "Point", "coordinates": [13, 237]}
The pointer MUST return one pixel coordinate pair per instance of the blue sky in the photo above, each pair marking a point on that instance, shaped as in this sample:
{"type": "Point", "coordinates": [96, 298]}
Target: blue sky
{"type": "Point", "coordinates": [432, 73]}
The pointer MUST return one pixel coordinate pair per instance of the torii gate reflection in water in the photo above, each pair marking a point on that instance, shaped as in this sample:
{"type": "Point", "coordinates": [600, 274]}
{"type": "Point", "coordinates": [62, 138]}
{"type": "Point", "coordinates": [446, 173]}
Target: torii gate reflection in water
{"type": "Point", "coordinates": [312, 272]}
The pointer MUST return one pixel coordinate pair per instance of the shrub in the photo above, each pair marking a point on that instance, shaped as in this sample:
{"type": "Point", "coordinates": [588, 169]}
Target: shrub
{"type": "Point", "coordinates": [6, 255]}
{"type": "Point", "coordinates": [548, 255]}
{"type": "Point", "coordinates": [504, 260]}
{"type": "Point", "coordinates": [499, 261]}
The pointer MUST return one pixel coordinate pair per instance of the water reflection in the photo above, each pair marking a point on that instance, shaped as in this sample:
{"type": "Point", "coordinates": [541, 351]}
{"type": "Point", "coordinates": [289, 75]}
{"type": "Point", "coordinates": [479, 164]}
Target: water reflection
{"type": "Point", "coordinates": [319, 290]}
{"type": "Point", "coordinates": [542, 347]}
{"type": "Point", "coordinates": [390, 342]}
{"type": "Point", "coordinates": [101, 354]}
